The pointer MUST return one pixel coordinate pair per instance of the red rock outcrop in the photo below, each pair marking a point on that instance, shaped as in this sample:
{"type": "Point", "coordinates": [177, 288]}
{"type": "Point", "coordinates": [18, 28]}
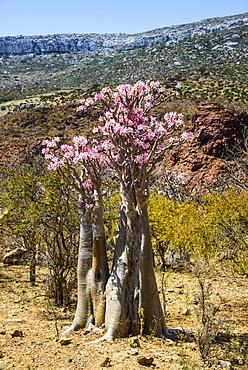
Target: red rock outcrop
{"type": "Point", "coordinates": [218, 132]}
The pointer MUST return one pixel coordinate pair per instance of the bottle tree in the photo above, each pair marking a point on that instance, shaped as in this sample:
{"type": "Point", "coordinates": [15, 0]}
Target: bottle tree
{"type": "Point", "coordinates": [81, 165]}
{"type": "Point", "coordinates": [129, 141]}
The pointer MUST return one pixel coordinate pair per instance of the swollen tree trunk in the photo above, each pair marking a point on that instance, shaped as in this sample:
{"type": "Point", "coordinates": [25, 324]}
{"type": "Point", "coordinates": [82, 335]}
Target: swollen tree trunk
{"type": "Point", "coordinates": [100, 272]}
{"type": "Point", "coordinates": [92, 270]}
{"type": "Point", "coordinates": [132, 300]}
{"type": "Point", "coordinates": [84, 309]}
{"type": "Point", "coordinates": [118, 305]}
{"type": "Point", "coordinates": [154, 320]}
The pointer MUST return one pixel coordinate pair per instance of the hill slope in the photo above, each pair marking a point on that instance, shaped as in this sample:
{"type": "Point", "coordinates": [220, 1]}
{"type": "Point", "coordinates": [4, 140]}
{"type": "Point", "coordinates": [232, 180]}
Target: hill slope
{"type": "Point", "coordinates": [84, 43]}
{"type": "Point", "coordinates": [207, 58]}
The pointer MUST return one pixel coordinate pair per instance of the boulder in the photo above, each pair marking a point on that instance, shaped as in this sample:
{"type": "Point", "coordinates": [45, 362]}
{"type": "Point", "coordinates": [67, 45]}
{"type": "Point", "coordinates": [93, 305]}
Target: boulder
{"type": "Point", "coordinates": [145, 361]}
{"type": "Point", "coordinates": [14, 257]}
{"type": "Point", "coordinates": [16, 333]}
{"type": "Point", "coordinates": [176, 259]}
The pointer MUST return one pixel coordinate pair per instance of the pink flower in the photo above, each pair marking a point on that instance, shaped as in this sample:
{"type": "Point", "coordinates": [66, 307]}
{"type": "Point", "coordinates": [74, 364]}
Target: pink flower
{"type": "Point", "coordinates": [45, 150]}
{"type": "Point", "coordinates": [56, 139]}
{"type": "Point", "coordinates": [99, 96]}
{"type": "Point", "coordinates": [66, 148]}
{"type": "Point", "coordinates": [154, 84]}
{"type": "Point", "coordinates": [148, 105]}
{"type": "Point", "coordinates": [186, 135]}
{"type": "Point", "coordinates": [51, 143]}
{"type": "Point", "coordinates": [142, 158]}
{"type": "Point", "coordinates": [87, 184]}
{"type": "Point", "coordinates": [93, 154]}
{"type": "Point", "coordinates": [88, 206]}
{"type": "Point", "coordinates": [80, 141]}
{"type": "Point", "coordinates": [125, 130]}
{"type": "Point", "coordinates": [161, 130]}
{"type": "Point", "coordinates": [105, 160]}
{"type": "Point", "coordinates": [141, 143]}
{"type": "Point", "coordinates": [48, 156]}
{"type": "Point", "coordinates": [55, 164]}
{"type": "Point", "coordinates": [76, 160]}
{"type": "Point", "coordinates": [80, 108]}
{"type": "Point", "coordinates": [108, 145]}
{"type": "Point", "coordinates": [162, 89]}
{"type": "Point", "coordinates": [150, 135]}
{"type": "Point", "coordinates": [89, 102]}
{"type": "Point", "coordinates": [149, 97]}
{"type": "Point", "coordinates": [95, 130]}
{"type": "Point", "coordinates": [69, 155]}
{"type": "Point", "coordinates": [173, 118]}
{"type": "Point", "coordinates": [106, 89]}
{"type": "Point", "coordinates": [142, 126]}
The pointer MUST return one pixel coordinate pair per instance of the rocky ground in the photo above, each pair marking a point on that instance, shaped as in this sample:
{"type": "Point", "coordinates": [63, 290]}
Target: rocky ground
{"type": "Point", "coordinates": [31, 328]}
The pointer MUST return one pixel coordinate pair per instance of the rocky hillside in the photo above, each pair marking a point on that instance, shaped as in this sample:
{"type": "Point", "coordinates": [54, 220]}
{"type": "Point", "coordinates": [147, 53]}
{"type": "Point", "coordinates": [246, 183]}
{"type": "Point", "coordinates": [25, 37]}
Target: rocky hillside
{"type": "Point", "coordinates": [84, 43]}
{"type": "Point", "coordinates": [206, 61]}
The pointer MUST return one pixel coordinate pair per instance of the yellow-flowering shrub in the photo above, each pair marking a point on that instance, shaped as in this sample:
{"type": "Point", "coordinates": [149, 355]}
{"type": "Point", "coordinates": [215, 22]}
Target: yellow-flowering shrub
{"type": "Point", "coordinates": [229, 214]}
{"type": "Point", "coordinates": [218, 223]}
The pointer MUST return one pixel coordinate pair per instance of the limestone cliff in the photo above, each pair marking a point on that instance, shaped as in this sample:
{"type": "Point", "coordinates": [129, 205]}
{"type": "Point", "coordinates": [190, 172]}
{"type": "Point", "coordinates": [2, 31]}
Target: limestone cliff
{"type": "Point", "coordinates": [85, 43]}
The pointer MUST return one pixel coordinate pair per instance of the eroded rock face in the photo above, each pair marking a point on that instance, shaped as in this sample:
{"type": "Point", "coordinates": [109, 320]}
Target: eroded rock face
{"type": "Point", "coordinates": [218, 133]}
{"type": "Point", "coordinates": [85, 43]}
{"type": "Point", "coordinates": [217, 130]}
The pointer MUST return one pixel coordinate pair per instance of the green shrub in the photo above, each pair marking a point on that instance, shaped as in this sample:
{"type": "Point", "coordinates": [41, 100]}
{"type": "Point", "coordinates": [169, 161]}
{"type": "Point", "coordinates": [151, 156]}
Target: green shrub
{"type": "Point", "coordinates": [219, 223]}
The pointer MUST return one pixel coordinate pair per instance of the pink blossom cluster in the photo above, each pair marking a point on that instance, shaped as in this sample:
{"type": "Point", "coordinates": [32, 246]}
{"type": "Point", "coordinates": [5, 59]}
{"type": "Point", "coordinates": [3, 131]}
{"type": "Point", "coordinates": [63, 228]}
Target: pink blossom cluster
{"type": "Point", "coordinates": [49, 145]}
{"type": "Point", "coordinates": [127, 124]}
{"type": "Point", "coordinates": [87, 184]}
{"type": "Point", "coordinates": [129, 133]}
{"type": "Point", "coordinates": [72, 155]}
{"type": "Point", "coordinates": [77, 160]}
{"type": "Point", "coordinates": [124, 95]}
{"type": "Point", "coordinates": [142, 158]}
{"type": "Point", "coordinates": [186, 135]}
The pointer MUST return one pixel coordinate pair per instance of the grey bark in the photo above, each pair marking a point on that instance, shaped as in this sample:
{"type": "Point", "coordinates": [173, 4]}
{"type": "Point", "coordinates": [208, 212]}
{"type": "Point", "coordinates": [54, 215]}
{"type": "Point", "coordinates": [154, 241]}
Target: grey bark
{"type": "Point", "coordinates": [132, 284]}
{"type": "Point", "coordinates": [154, 320]}
{"type": "Point", "coordinates": [84, 303]}
{"type": "Point", "coordinates": [100, 271]}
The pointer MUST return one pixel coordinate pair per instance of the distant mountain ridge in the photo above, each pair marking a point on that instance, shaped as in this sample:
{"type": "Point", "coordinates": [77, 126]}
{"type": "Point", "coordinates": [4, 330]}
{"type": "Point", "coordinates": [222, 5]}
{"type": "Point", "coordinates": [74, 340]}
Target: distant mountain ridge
{"type": "Point", "coordinates": [109, 43]}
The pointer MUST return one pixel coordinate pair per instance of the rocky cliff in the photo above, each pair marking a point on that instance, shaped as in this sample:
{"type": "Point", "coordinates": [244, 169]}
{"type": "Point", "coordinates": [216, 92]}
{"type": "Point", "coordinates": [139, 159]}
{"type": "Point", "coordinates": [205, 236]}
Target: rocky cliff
{"type": "Point", "coordinates": [218, 135]}
{"type": "Point", "coordinates": [85, 43]}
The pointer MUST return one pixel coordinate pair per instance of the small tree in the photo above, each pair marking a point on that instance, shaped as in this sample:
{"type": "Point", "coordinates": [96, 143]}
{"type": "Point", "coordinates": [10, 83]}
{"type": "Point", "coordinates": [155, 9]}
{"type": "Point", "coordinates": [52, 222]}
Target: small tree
{"type": "Point", "coordinates": [81, 166]}
{"type": "Point", "coordinates": [58, 229]}
{"type": "Point", "coordinates": [39, 216]}
{"type": "Point", "coordinates": [130, 142]}
{"type": "Point", "coordinates": [20, 222]}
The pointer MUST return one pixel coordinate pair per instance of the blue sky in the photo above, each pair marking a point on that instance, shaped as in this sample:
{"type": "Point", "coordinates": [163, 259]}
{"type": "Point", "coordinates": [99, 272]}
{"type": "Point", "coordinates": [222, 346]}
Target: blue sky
{"type": "Point", "coordinates": [41, 17]}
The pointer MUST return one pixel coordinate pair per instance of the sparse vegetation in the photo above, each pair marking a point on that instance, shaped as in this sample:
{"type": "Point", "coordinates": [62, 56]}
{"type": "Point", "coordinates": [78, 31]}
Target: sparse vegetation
{"type": "Point", "coordinates": [207, 68]}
